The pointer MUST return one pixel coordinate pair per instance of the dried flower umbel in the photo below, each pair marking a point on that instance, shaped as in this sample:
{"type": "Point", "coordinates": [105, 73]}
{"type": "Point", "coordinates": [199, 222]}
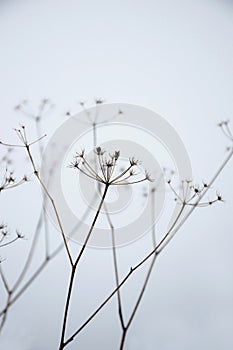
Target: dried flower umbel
{"type": "Point", "coordinates": [9, 181]}
{"type": "Point", "coordinates": [4, 231]}
{"type": "Point", "coordinates": [190, 194]}
{"type": "Point", "coordinates": [106, 172]}
{"type": "Point", "coordinates": [43, 108]}
{"type": "Point", "coordinates": [224, 125]}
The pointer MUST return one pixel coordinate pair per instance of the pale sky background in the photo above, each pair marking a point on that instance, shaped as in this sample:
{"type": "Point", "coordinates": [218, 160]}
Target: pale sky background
{"type": "Point", "coordinates": [175, 57]}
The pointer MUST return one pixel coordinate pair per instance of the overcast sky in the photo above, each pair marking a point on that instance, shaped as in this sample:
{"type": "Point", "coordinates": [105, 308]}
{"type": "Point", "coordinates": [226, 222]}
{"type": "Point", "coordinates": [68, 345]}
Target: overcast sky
{"type": "Point", "coordinates": [176, 58]}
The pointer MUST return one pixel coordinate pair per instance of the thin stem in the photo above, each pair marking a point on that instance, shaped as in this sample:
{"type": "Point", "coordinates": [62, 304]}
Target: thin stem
{"type": "Point", "coordinates": [123, 337]}
{"type": "Point", "coordinates": [93, 224]}
{"type": "Point", "coordinates": [129, 183]}
{"type": "Point", "coordinates": [11, 145]}
{"type": "Point", "coordinates": [125, 330]}
{"type": "Point", "coordinates": [36, 173]}
{"type": "Point", "coordinates": [39, 139]}
{"type": "Point", "coordinates": [4, 281]}
{"type": "Point", "coordinates": [142, 291]}
{"type": "Point", "coordinates": [73, 270]}
{"type": "Point", "coordinates": [7, 243]}
{"type": "Point", "coordinates": [94, 134]}
{"type": "Point", "coordinates": [30, 255]}
{"type": "Point", "coordinates": [74, 267]}
{"type": "Point", "coordinates": [91, 170]}
{"type": "Point", "coordinates": [57, 217]}
{"type": "Point", "coordinates": [162, 240]}
{"type": "Point", "coordinates": [120, 312]}
{"type": "Point", "coordinates": [122, 174]}
{"type": "Point", "coordinates": [3, 320]}
{"type": "Point", "coordinates": [45, 218]}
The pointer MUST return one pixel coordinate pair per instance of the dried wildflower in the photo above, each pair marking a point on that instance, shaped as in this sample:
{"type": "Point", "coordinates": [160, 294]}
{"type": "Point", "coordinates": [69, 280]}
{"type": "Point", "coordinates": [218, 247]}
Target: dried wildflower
{"type": "Point", "coordinates": [116, 155]}
{"type": "Point", "coordinates": [99, 151]}
{"type": "Point", "coordinates": [134, 161]}
{"type": "Point", "coordinates": [224, 125]}
{"type": "Point", "coordinates": [8, 180]}
{"type": "Point", "coordinates": [148, 176]}
{"type": "Point", "coordinates": [3, 235]}
{"type": "Point", "coordinates": [80, 154]}
{"type": "Point", "coordinates": [93, 115]}
{"type": "Point", "coordinates": [132, 172]}
{"type": "Point", "coordinates": [44, 107]}
{"type": "Point", "coordinates": [99, 101]}
{"type": "Point", "coordinates": [19, 234]}
{"type": "Point", "coordinates": [219, 197]}
{"type": "Point", "coordinates": [190, 194]}
{"type": "Point", "coordinates": [74, 164]}
{"type": "Point", "coordinates": [4, 231]}
{"type": "Point", "coordinates": [106, 170]}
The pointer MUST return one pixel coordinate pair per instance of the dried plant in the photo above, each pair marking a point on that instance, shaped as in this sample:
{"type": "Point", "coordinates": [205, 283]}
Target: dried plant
{"type": "Point", "coordinates": [106, 172]}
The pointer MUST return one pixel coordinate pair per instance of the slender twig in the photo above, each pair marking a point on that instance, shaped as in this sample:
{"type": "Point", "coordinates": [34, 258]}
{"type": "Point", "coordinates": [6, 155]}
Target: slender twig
{"type": "Point", "coordinates": [9, 242]}
{"type": "Point", "coordinates": [45, 218]}
{"type": "Point", "coordinates": [30, 254]}
{"type": "Point", "coordinates": [119, 302]}
{"type": "Point", "coordinates": [111, 226]}
{"type": "Point", "coordinates": [36, 173]}
{"type": "Point", "coordinates": [4, 280]}
{"type": "Point", "coordinates": [151, 266]}
{"type": "Point", "coordinates": [75, 265]}
{"type": "Point", "coordinates": [3, 320]}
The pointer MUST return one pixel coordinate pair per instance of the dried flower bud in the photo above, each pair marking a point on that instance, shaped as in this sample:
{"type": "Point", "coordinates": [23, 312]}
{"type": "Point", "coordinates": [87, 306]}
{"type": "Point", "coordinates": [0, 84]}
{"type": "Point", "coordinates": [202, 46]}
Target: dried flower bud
{"type": "Point", "coordinates": [117, 155]}
{"type": "Point", "coordinates": [99, 101]}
